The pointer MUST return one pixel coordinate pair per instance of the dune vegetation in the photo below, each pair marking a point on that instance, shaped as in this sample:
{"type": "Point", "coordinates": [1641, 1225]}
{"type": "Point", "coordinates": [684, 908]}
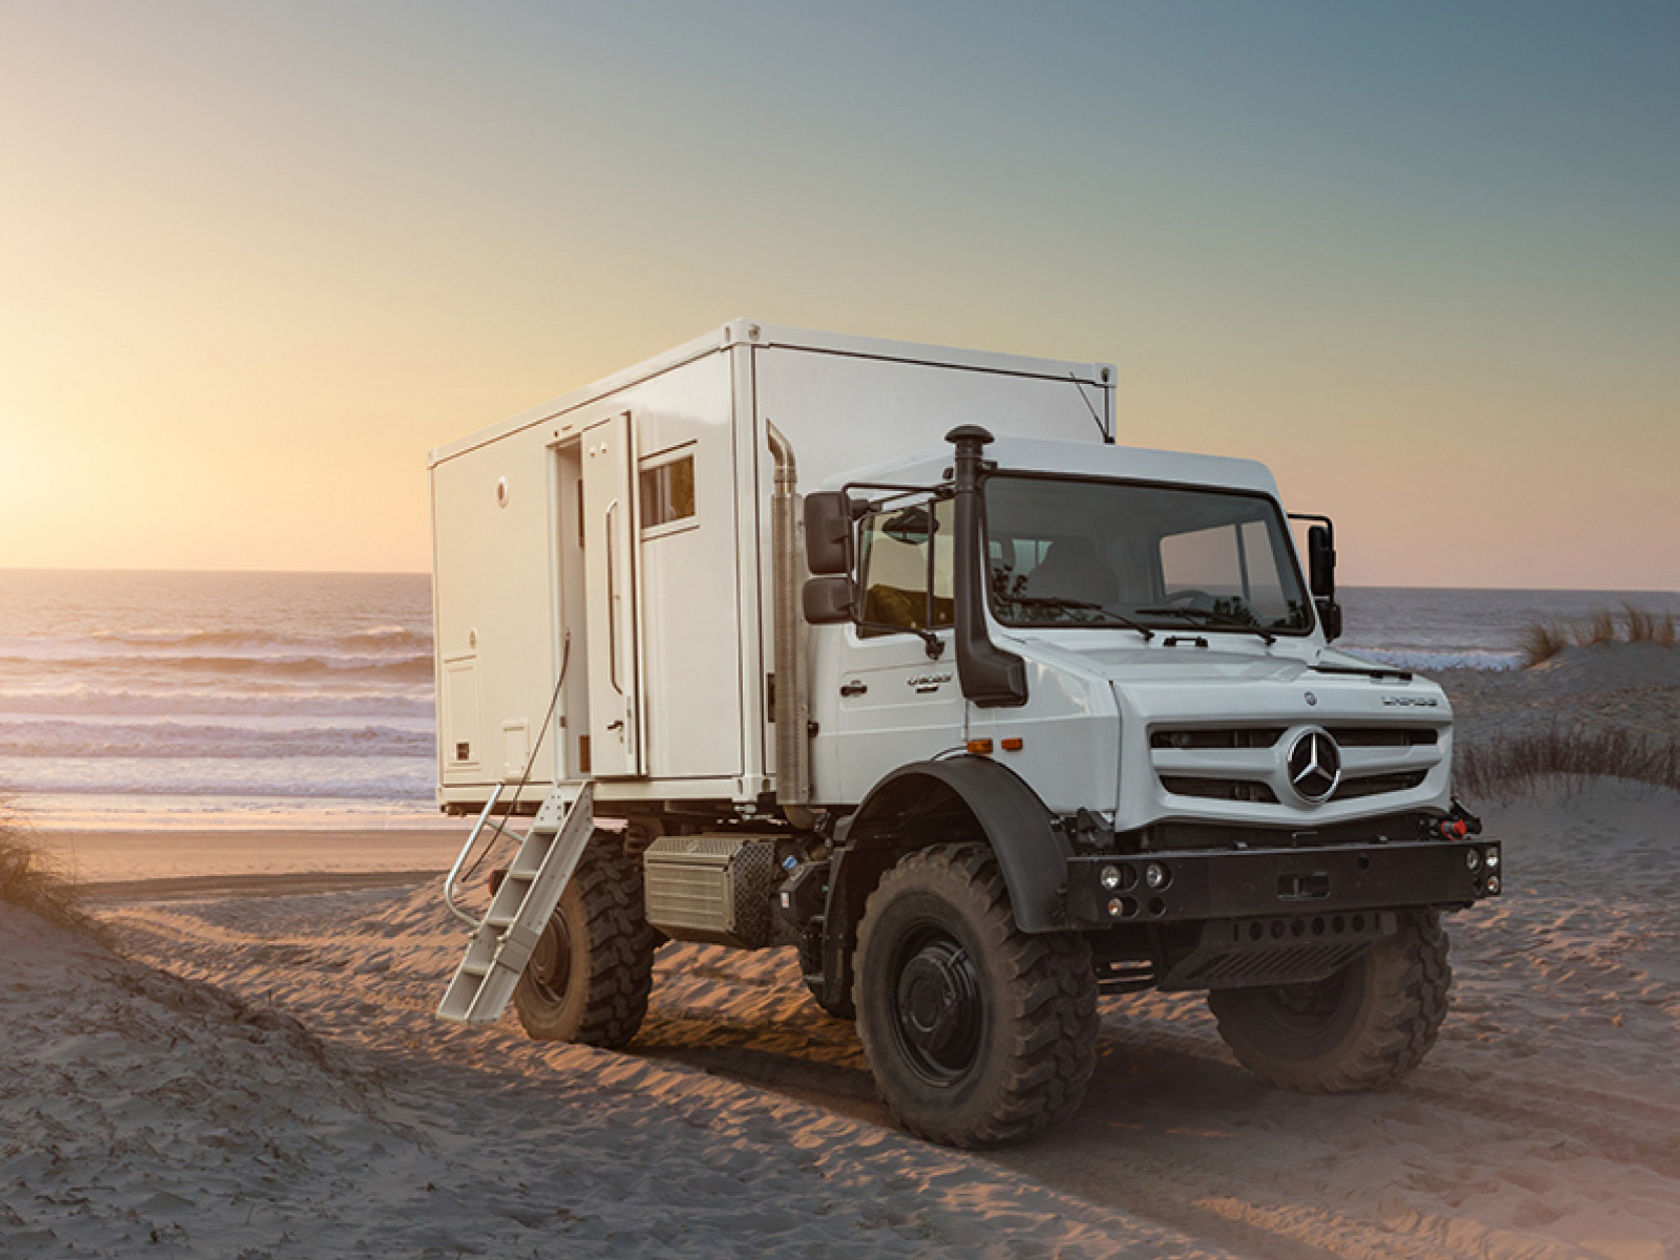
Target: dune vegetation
{"type": "Point", "coordinates": [1512, 764]}
{"type": "Point", "coordinates": [1629, 624]}
{"type": "Point", "coordinates": [28, 880]}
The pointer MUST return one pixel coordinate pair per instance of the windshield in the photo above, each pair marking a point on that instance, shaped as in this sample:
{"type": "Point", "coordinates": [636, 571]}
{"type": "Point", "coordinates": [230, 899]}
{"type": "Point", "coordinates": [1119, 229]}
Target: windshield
{"type": "Point", "coordinates": [1067, 552]}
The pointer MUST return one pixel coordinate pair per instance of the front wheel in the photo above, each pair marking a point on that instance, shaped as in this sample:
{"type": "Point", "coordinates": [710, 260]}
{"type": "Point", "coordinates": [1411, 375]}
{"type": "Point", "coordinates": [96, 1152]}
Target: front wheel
{"type": "Point", "coordinates": [977, 1033]}
{"type": "Point", "coordinates": [1363, 1028]}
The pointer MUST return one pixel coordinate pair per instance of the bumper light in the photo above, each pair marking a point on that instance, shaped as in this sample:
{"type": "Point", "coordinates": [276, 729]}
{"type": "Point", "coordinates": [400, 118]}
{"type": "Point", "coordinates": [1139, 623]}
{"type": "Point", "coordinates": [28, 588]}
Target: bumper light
{"type": "Point", "coordinates": [1110, 877]}
{"type": "Point", "coordinates": [1156, 876]}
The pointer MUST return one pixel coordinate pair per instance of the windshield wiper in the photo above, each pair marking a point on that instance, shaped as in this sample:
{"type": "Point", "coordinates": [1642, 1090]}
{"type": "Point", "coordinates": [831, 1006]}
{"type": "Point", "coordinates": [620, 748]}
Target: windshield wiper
{"type": "Point", "coordinates": [1062, 601]}
{"type": "Point", "coordinates": [1208, 617]}
{"type": "Point", "coordinates": [1369, 671]}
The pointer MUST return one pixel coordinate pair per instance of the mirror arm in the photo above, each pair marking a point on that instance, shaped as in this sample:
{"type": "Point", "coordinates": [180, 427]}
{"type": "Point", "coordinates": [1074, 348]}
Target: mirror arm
{"type": "Point", "coordinates": [932, 642]}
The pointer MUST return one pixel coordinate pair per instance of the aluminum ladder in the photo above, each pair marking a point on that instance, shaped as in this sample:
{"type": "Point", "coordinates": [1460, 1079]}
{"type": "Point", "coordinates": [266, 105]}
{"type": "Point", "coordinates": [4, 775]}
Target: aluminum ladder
{"type": "Point", "coordinates": [502, 941]}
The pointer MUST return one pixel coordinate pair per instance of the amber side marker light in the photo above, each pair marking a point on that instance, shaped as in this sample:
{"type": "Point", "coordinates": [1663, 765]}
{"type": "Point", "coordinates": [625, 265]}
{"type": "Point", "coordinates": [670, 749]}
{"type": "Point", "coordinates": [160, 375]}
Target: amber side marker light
{"type": "Point", "coordinates": [980, 747]}
{"type": "Point", "coordinates": [1012, 744]}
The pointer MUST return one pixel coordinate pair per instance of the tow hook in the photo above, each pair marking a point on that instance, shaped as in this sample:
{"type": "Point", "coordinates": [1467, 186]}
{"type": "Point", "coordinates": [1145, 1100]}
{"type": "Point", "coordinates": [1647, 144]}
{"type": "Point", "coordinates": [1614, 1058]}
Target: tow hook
{"type": "Point", "coordinates": [1459, 824]}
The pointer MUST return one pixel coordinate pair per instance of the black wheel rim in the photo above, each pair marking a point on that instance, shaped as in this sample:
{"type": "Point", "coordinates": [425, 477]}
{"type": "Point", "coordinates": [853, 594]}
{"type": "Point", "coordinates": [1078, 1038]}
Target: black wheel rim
{"type": "Point", "coordinates": [550, 971]}
{"type": "Point", "coordinates": [1307, 1008]}
{"type": "Point", "coordinates": [939, 1008]}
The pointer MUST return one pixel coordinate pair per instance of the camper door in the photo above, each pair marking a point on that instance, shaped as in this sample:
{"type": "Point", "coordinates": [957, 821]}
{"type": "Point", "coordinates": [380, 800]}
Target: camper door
{"type": "Point", "coordinates": [612, 618]}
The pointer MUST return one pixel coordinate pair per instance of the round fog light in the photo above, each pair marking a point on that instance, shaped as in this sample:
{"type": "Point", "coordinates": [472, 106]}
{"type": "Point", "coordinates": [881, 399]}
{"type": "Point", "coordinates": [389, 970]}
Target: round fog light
{"type": "Point", "coordinates": [1493, 859]}
{"type": "Point", "coordinates": [1110, 877]}
{"type": "Point", "coordinates": [1493, 883]}
{"type": "Point", "coordinates": [1473, 860]}
{"type": "Point", "coordinates": [1116, 908]}
{"type": "Point", "coordinates": [1155, 875]}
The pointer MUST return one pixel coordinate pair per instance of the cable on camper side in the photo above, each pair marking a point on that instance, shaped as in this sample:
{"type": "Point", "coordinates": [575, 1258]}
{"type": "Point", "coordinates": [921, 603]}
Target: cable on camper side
{"type": "Point", "coordinates": [542, 732]}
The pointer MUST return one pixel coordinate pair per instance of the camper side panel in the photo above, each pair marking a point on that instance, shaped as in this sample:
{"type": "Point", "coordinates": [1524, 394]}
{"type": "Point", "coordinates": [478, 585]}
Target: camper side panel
{"type": "Point", "coordinates": [494, 616]}
{"type": "Point", "coordinates": [508, 518]}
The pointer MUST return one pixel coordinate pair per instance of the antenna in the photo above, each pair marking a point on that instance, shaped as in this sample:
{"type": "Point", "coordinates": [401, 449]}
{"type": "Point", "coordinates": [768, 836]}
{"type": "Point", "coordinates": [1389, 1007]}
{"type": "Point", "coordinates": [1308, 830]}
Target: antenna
{"type": "Point", "coordinates": [1079, 385]}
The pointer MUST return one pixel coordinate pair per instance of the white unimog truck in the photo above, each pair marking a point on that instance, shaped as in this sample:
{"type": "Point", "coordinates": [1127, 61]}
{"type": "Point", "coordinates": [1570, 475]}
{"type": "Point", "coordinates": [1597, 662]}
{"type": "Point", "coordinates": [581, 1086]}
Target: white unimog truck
{"type": "Point", "coordinates": [889, 653]}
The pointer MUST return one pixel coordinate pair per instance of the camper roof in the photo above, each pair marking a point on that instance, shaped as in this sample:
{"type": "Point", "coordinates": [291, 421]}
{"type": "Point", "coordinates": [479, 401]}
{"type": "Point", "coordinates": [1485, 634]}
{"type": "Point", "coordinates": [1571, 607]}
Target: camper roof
{"type": "Point", "coordinates": [757, 333]}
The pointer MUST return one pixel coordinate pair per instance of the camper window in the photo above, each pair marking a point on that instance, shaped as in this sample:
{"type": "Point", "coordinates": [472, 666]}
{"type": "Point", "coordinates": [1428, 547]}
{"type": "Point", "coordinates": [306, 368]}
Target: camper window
{"type": "Point", "coordinates": [667, 491]}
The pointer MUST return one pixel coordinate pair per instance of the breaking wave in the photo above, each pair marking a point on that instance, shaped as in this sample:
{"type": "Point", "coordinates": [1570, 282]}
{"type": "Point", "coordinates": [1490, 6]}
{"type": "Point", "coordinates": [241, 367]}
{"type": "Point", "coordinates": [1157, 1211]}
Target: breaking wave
{"type": "Point", "coordinates": [172, 739]}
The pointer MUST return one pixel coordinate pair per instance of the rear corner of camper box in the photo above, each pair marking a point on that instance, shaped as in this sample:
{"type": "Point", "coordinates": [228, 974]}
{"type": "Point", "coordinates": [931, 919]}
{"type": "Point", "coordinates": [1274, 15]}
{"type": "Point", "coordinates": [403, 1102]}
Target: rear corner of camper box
{"type": "Point", "coordinates": [588, 555]}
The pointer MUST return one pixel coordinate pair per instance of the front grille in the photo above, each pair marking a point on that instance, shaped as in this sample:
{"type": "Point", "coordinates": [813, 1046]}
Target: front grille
{"type": "Point", "coordinates": [1384, 736]}
{"type": "Point", "coordinates": [1246, 764]}
{"type": "Point", "coordinates": [1219, 789]}
{"type": "Point", "coordinates": [1217, 737]}
{"type": "Point", "coordinates": [1378, 784]}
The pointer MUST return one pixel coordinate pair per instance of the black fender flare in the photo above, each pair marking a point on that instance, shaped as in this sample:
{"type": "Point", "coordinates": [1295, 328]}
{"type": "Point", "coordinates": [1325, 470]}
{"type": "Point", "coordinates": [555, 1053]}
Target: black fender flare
{"type": "Point", "coordinates": [937, 796]}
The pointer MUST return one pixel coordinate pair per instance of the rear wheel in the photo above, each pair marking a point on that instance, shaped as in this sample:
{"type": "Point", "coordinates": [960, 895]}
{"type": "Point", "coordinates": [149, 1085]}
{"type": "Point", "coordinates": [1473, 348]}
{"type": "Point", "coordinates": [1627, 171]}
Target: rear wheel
{"type": "Point", "coordinates": [977, 1033]}
{"type": "Point", "coordinates": [589, 977]}
{"type": "Point", "coordinates": [1363, 1028]}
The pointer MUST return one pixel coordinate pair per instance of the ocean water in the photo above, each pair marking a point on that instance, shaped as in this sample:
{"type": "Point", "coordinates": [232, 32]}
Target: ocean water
{"type": "Point", "coordinates": [151, 700]}
{"type": "Point", "coordinates": [138, 699]}
{"type": "Point", "coordinates": [1432, 629]}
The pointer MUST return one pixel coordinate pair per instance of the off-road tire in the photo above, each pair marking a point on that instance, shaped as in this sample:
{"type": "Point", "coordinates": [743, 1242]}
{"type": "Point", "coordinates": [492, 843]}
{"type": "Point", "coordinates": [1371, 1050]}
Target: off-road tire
{"type": "Point", "coordinates": [1363, 1028]}
{"type": "Point", "coordinates": [811, 964]}
{"type": "Point", "coordinates": [1032, 998]}
{"type": "Point", "coordinates": [589, 978]}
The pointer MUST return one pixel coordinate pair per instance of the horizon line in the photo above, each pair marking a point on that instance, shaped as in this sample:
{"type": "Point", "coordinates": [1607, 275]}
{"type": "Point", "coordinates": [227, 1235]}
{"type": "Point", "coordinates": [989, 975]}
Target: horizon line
{"type": "Point", "coordinates": [426, 573]}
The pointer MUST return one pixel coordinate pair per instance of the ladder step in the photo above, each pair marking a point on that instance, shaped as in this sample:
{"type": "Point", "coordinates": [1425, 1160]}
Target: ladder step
{"type": "Point", "coordinates": [502, 944]}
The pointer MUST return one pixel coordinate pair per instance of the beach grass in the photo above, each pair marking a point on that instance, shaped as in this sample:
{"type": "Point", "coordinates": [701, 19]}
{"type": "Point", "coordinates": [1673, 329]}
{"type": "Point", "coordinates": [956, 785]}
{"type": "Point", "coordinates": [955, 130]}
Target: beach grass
{"type": "Point", "coordinates": [29, 881]}
{"type": "Point", "coordinates": [1510, 765]}
{"type": "Point", "coordinates": [1542, 641]}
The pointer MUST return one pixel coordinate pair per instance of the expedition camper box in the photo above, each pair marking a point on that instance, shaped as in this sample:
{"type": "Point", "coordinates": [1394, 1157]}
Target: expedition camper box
{"type": "Point", "coordinates": [624, 532]}
{"type": "Point", "coordinates": [888, 652]}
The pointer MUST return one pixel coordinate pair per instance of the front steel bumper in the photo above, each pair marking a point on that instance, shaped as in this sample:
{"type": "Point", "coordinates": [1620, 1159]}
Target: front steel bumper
{"type": "Point", "coordinates": [1104, 890]}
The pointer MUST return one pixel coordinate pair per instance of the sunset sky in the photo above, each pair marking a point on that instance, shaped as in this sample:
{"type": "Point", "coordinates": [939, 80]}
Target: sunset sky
{"type": "Point", "coordinates": [1422, 259]}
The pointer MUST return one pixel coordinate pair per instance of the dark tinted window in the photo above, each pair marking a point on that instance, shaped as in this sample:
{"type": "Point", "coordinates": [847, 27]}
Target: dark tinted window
{"type": "Point", "coordinates": [668, 492]}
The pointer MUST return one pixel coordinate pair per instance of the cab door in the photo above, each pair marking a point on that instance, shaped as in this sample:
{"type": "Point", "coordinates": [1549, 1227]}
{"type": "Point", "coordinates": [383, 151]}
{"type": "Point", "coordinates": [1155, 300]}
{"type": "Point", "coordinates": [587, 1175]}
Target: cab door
{"type": "Point", "coordinates": [612, 620]}
{"type": "Point", "coordinates": [893, 703]}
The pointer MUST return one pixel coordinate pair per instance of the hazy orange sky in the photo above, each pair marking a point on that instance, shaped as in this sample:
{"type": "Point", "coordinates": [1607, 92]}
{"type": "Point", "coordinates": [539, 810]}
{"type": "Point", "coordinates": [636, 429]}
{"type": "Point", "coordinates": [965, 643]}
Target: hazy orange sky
{"type": "Point", "coordinates": [1423, 260]}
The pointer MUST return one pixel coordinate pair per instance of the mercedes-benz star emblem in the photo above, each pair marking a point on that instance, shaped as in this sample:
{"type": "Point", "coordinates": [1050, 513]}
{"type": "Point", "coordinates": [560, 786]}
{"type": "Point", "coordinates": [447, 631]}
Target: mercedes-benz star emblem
{"type": "Point", "coordinates": [1315, 765]}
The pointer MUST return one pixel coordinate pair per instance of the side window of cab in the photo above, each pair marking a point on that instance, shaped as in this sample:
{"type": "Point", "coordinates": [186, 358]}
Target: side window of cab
{"type": "Point", "coordinates": [905, 566]}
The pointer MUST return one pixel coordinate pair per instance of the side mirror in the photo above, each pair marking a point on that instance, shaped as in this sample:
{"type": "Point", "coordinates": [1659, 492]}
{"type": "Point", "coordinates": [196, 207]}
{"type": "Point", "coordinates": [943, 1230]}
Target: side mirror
{"type": "Point", "coordinates": [1330, 617]}
{"type": "Point", "coordinates": [1321, 562]}
{"type": "Point", "coordinates": [827, 601]}
{"type": "Point", "coordinates": [828, 533]}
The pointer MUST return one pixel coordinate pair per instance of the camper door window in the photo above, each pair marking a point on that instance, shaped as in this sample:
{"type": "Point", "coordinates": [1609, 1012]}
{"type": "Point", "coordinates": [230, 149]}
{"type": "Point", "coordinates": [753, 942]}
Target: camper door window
{"type": "Point", "coordinates": [667, 493]}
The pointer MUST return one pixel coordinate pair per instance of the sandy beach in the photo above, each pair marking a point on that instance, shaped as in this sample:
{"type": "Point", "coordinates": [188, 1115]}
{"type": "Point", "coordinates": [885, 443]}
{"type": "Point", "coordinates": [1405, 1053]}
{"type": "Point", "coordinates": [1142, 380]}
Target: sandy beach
{"type": "Point", "coordinates": [259, 1073]}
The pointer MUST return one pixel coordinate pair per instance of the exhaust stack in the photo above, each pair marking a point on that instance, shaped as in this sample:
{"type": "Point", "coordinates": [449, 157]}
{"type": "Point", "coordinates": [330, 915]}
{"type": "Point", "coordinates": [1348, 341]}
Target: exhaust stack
{"type": "Point", "coordinates": [793, 704]}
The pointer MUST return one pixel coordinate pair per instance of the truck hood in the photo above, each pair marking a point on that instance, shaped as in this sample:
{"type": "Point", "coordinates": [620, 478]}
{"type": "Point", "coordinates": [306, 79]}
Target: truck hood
{"type": "Point", "coordinates": [1248, 666]}
{"type": "Point", "coordinates": [1207, 733]}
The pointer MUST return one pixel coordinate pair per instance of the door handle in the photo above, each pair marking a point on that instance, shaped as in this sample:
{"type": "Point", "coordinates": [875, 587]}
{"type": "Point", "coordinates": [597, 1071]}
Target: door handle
{"type": "Point", "coordinates": [612, 599]}
{"type": "Point", "coordinates": [853, 688]}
